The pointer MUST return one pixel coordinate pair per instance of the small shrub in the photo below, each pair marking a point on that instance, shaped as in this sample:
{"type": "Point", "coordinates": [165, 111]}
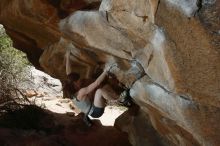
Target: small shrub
{"type": "Point", "coordinates": [13, 71]}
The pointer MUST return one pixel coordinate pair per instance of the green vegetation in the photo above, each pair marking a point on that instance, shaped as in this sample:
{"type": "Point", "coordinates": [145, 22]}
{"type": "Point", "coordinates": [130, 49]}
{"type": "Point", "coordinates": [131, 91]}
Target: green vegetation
{"type": "Point", "coordinates": [13, 70]}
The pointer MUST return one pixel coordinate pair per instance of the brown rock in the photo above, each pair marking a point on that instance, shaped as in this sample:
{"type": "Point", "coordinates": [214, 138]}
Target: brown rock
{"type": "Point", "coordinates": [176, 42]}
{"type": "Point", "coordinates": [160, 104]}
{"type": "Point", "coordinates": [194, 59]}
{"type": "Point", "coordinates": [30, 93]}
{"type": "Point", "coordinates": [48, 128]}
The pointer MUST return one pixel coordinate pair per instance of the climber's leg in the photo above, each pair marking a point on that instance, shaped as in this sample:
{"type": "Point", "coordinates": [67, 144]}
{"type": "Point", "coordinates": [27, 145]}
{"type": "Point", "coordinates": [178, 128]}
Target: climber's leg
{"type": "Point", "coordinates": [103, 94]}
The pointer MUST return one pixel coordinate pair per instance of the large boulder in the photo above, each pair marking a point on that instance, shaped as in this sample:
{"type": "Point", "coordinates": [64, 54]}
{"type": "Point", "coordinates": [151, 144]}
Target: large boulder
{"type": "Point", "coordinates": [176, 43]}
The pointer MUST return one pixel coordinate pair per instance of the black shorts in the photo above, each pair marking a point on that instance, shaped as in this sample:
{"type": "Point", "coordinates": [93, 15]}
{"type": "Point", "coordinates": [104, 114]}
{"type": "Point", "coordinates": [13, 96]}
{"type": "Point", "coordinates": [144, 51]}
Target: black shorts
{"type": "Point", "coordinates": [96, 112]}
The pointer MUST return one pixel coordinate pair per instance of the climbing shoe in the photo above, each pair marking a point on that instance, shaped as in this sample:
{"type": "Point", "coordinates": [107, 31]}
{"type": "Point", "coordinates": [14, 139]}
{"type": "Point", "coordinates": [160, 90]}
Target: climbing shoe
{"type": "Point", "coordinates": [87, 121]}
{"type": "Point", "coordinates": [125, 99]}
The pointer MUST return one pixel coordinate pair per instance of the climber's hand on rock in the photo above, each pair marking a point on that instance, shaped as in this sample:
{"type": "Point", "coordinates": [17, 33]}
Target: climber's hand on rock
{"type": "Point", "coordinates": [109, 67]}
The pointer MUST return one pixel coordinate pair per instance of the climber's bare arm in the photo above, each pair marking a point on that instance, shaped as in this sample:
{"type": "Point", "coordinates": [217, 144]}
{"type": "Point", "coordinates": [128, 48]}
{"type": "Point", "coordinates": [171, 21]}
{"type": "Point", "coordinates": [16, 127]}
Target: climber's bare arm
{"type": "Point", "coordinates": [68, 66]}
{"type": "Point", "coordinates": [82, 94]}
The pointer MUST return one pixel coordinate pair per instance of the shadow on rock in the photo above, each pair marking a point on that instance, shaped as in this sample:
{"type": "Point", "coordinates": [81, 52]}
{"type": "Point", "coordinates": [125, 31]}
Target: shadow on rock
{"type": "Point", "coordinates": [35, 126]}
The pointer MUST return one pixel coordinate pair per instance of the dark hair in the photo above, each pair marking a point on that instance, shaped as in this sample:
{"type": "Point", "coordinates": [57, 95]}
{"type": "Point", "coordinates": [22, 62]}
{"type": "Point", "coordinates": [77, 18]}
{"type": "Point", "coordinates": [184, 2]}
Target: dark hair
{"type": "Point", "coordinates": [69, 87]}
{"type": "Point", "coordinates": [73, 77]}
{"type": "Point", "coordinates": [69, 90]}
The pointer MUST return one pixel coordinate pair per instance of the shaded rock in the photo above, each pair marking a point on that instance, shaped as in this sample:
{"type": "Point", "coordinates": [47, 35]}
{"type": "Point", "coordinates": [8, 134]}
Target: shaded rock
{"type": "Point", "coordinates": [176, 43]}
{"type": "Point", "coordinates": [194, 59]}
{"type": "Point", "coordinates": [26, 22]}
{"type": "Point", "coordinates": [161, 104]}
{"type": "Point", "coordinates": [48, 128]}
{"type": "Point", "coordinates": [140, 129]}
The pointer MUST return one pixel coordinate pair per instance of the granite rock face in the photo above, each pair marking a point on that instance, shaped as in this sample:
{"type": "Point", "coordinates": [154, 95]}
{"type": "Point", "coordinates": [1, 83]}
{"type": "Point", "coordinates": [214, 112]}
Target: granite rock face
{"type": "Point", "coordinates": [175, 42]}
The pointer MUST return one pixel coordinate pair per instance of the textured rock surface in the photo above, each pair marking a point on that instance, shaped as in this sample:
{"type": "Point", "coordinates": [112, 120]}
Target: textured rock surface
{"type": "Point", "coordinates": [176, 42]}
{"type": "Point", "coordinates": [34, 126]}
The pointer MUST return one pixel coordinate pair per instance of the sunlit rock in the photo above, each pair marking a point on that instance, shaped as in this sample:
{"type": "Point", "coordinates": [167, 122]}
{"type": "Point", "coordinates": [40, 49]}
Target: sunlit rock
{"type": "Point", "coordinates": [175, 44]}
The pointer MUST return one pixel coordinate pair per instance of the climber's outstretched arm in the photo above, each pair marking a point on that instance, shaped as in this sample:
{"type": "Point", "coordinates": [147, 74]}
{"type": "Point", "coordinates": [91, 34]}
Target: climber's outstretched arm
{"type": "Point", "coordinates": [82, 94]}
{"type": "Point", "coordinates": [68, 66]}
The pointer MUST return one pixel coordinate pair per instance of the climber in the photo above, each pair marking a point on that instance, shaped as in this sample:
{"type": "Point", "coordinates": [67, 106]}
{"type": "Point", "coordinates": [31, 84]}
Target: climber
{"type": "Point", "coordinates": [98, 91]}
{"type": "Point", "coordinates": [90, 95]}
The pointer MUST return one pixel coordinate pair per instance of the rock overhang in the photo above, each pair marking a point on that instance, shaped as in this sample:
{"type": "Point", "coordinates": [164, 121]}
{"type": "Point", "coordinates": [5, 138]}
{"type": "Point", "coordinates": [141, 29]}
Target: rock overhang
{"type": "Point", "coordinates": [176, 45]}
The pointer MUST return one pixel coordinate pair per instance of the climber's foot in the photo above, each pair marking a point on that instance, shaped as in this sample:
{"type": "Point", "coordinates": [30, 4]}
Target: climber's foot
{"type": "Point", "coordinates": [87, 121]}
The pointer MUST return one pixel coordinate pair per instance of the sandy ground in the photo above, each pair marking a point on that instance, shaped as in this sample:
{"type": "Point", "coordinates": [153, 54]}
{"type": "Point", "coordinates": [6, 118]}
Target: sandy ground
{"type": "Point", "coordinates": [110, 114]}
{"type": "Point", "coordinates": [64, 106]}
{"type": "Point", "coordinates": [49, 96]}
